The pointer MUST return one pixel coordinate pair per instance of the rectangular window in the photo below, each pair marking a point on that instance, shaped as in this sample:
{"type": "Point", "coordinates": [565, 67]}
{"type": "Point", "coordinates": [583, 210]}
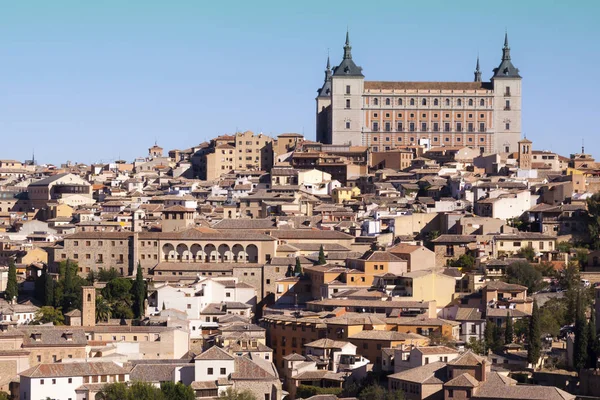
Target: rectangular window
{"type": "Point", "coordinates": [459, 127]}
{"type": "Point", "coordinates": [347, 103]}
{"type": "Point", "coordinates": [470, 127]}
{"type": "Point", "coordinates": [507, 106]}
{"type": "Point", "coordinates": [347, 124]}
{"type": "Point", "coordinates": [482, 127]}
{"type": "Point", "coordinates": [223, 371]}
{"type": "Point", "coordinates": [209, 371]}
{"type": "Point", "coordinates": [411, 127]}
{"type": "Point", "coordinates": [507, 92]}
{"type": "Point", "coordinates": [436, 127]}
{"type": "Point", "coordinates": [375, 126]}
{"type": "Point", "coordinates": [423, 126]}
{"type": "Point", "coordinates": [447, 127]}
{"type": "Point", "coordinates": [347, 89]}
{"type": "Point", "coordinates": [507, 126]}
{"type": "Point", "coordinates": [388, 126]}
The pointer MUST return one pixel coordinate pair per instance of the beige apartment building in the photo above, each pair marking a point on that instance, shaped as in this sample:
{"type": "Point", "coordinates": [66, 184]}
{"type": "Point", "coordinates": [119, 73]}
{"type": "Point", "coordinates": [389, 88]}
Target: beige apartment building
{"type": "Point", "coordinates": [123, 250]}
{"type": "Point", "coordinates": [65, 188]}
{"type": "Point", "coordinates": [482, 115]}
{"type": "Point", "coordinates": [244, 151]}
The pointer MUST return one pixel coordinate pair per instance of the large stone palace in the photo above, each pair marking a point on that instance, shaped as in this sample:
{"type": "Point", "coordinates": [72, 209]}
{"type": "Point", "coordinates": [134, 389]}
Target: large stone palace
{"type": "Point", "coordinates": [384, 115]}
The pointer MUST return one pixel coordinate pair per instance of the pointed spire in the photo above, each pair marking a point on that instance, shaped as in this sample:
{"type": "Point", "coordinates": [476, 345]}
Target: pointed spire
{"type": "Point", "coordinates": [347, 47]}
{"type": "Point", "coordinates": [328, 69]}
{"type": "Point", "coordinates": [328, 63]}
{"type": "Point", "coordinates": [477, 71]}
{"type": "Point", "coordinates": [506, 48]}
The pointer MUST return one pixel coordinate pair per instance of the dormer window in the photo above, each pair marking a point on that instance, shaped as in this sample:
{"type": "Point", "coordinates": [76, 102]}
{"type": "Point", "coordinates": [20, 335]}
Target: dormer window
{"type": "Point", "coordinates": [36, 336]}
{"type": "Point", "coordinates": [68, 336]}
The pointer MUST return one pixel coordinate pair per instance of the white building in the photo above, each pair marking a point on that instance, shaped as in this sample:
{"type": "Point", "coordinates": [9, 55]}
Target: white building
{"type": "Point", "coordinates": [61, 381]}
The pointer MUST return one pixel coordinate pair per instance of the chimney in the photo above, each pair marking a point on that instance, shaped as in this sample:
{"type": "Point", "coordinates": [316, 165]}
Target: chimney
{"type": "Point", "coordinates": [483, 370]}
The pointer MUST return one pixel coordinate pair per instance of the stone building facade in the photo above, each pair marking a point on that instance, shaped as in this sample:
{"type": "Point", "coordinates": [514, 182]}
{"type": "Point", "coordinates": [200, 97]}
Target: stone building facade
{"type": "Point", "coordinates": [383, 115]}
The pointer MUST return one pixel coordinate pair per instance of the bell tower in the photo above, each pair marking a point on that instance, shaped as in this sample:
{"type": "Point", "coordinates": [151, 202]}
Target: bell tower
{"type": "Point", "coordinates": [88, 306]}
{"type": "Point", "coordinates": [525, 154]}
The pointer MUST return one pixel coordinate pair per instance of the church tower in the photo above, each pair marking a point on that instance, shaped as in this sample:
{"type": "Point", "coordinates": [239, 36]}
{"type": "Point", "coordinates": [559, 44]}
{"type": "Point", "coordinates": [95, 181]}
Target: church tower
{"type": "Point", "coordinates": [525, 152]}
{"type": "Point", "coordinates": [507, 103]}
{"type": "Point", "coordinates": [324, 108]}
{"type": "Point", "coordinates": [347, 88]}
{"type": "Point", "coordinates": [88, 306]}
{"type": "Point", "coordinates": [477, 71]}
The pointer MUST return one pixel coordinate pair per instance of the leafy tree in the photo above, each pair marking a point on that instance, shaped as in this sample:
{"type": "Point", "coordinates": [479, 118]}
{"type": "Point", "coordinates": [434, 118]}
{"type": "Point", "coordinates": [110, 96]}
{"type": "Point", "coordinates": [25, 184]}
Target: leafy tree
{"type": "Point", "coordinates": [553, 316]}
{"type": "Point", "coordinates": [593, 207]}
{"type": "Point", "coordinates": [4, 396]}
{"type": "Point", "coordinates": [103, 310]}
{"type": "Point", "coordinates": [144, 391]}
{"type": "Point", "coordinates": [322, 260]}
{"type": "Point", "coordinates": [92, 277]}
{"type": "Point", "coordinates": [113, 391]}
{"type": "Point", "coordinates": [592, 342]}
{"type": "Point", "coordinates": [534, 337]}
{"type": "Point", "coordinates": [377, 392]}
{"type": "Point", "coordinates": [122, 310]}
{"type": "Point", "coordinates": [564, 247]}
{"type": "Point", "coordinates": [107, 275]}
{"type": "Point", "coordinates": [521, 328]}
{"type": "Point", "coordinates": [232, 394]}
{"type": "Point", "coordinates": [12, 287]}
{"type": "Point", "coordinates": [49, 314]}
{"type": "Point", "coordinates": [489, 335]}
{"type": "Point", "coordinates": [465, 262]}
{"type": "Point", "coordinates": [546, 268]}
{"type": "Point", "coordinates": [527, 253]}
{"type": "Point", "coordinates": [581, 255]}
{"type": "Point", "coordinates": [139, 292]}
{"type": "Point", "coordinates": [48, 288]}
{"type": "Point", "coordinates": [298, 268]}
{"type": "Point", "coordinates": [118, 290]}
{"type": "Point", "coordinates": [581, 335]}
{"type": "Point", "coordinates": [477, 346]}
{"type": "Point", "coordinates": [508, 330]}
{"type": "Point", "coordinates": [68, 284]}
{"type": "Point", "coordinates": [523, 273]}
{"type": "Point", "coordinates": [177, 391]}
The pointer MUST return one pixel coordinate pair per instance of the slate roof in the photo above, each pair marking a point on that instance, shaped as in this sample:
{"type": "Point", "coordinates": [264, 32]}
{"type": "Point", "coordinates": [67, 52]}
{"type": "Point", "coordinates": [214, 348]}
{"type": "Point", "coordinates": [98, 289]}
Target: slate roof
{"type": "Point", "coordinates": [247, 369]}
{"type": "Point", "coordinates": [382, 85]}
{"type": "Point", "coordinates": [465, 380]}
{"type": "Point", "coordinates": [455, 239]}
{"type": "Point", "coordinates": [53, 337]}
{"type": "Point", "coordinates": [155, 372]}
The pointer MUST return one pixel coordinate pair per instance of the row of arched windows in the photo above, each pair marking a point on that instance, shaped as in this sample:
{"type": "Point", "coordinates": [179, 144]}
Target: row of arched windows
{"type": "Point", "coordinates": [436, 102]}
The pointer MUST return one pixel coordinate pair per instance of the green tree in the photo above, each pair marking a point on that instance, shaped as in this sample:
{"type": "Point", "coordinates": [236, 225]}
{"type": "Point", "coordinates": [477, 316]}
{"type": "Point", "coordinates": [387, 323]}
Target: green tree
{"type": "Point", "coordinates": [477, 346]}
{"type": "Point", "coordinates": [177, 391]}
{"type": "Point", "coordinates": [122, 310]}
{"type": "Point", "coordinates": [92, 277]}
{"type": "Point", "coordinates": [114, 391]}
{"type": "Point", "coordinates": [465, 262]}
{"type": "Point", "coordinates": [322, 260]}
{"type": "Point", "coordinates": [527, 253]}
{"type": "Point", "coordinates": [232, 394]}
{"type": "Point", "coordinates": [118, 290]}
{"type": "Point", "coordinates": [144, 391]}
{"type": "Point", "coordinates": [298, 268]}
{"type": "Point", "coordinates": [49, 314]}
{"type": "Point", "coordinates": [489, 335]}
{"type": "Point", "coordinates": [4, 396]}
{"type": "Point", "coordinates": [12, 287]}
{"type": "Point", "coordinates": [581, 256]}
{"type": "Point", "coordinates": [103, 310]}
{"type": "Point", "coordinates": [508, 330]}
{"type": "Point", "coordinates": [552, 316]}
{"type": "Point", "coordinates": [592, 342]}
{"type": "Point", "coordinates": [564, 247]}
{"type": "Point", "coordinates": [48, 289]}
{"type": "Point", "coordinates": [534, 338]}
{"type": "Point", "coordinates": [107, 275]}
{"type": "Point", "coordinates": [581, 335]}
{"type": "Point", "coordinates": [593, 207]}
{"type": "Point", "coordinates": [139, 292]}
{"type": "Point", "coordinates": [377, 392]}
{"type": "Point", "coordinates": [523, 273]}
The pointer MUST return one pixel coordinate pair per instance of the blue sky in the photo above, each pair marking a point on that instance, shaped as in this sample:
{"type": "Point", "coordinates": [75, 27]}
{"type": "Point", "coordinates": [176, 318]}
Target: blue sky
{"type": "Point", "coordinates": [92, 81]}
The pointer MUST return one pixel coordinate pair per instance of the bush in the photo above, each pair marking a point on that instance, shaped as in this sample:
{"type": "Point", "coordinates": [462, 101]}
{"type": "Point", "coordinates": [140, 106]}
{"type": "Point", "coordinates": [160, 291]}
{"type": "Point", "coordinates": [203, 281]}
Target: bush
{"type": "Point", "coordinates": [306, 391]}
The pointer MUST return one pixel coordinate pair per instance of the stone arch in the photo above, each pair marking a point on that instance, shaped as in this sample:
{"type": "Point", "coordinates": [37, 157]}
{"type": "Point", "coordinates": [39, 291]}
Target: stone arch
{"type": "Point", "coordinates": [197, 253]}
{"type": "Point", "coordinates": [183, 253]}
{"type": "Point", "coordinates": [239, 254]}
{"type": "Point", "coordinates": [252, 253]}
{"type": "Point", "coordinates": [210, 252]}
{"type": "Point", "coordinates": [168, 251]}
{"type": "Point", "coordinates": [225, 254]}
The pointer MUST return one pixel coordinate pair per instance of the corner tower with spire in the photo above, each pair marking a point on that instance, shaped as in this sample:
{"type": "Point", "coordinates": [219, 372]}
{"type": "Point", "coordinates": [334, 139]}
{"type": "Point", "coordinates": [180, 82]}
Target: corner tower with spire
{"type": "Point", "coordinates": [324, 107]}
{"type": "Point", "coordinates": [506, 82]}
{"type": "Point", "coordinates": [347, 89]}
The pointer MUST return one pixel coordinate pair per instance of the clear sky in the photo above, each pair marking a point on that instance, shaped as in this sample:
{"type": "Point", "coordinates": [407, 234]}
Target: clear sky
{"type": "Point", "coordinates": [92, 81]}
